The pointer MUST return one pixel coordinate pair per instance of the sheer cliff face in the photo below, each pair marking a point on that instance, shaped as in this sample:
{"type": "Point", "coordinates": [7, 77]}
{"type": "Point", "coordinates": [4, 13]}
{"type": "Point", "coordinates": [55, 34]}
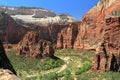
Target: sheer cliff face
{"type": "Point", "coordinates": [67, 36]}
{"type": "Point", "coordinates": [9, 30]}
{"type": "Point", "coordinates": [92, 25]}
{"type": "Point", "coordinates": [24, 15]}
{"type": "Point", "coordinates": [99, 30]}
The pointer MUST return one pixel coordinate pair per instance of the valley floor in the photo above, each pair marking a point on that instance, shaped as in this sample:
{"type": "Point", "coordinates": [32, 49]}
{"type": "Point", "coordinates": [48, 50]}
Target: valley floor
{"type": "Point", "coordinates": [72, 65]}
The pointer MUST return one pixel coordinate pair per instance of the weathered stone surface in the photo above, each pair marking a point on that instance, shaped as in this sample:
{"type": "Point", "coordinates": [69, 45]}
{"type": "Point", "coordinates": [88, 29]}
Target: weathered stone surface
{"type": "Point", "coordinates": [109, 57]}
{"type": "Point", "coordinates": [91, 33]}
{"type": "Point", "coordinates": [100, 25]}
{"type": "Point", "coordinates": [33, 46]}
{"type": "Point", "coordinates": [13, 32]}
{"type": "Point", "coordinates": [67, 36]}
{"type": "Point", "coordinates": [10, 31]}
{"type": "Point", "coordinates": [49, 32]}
{"type": "Point", "coordinates": [7, 75]}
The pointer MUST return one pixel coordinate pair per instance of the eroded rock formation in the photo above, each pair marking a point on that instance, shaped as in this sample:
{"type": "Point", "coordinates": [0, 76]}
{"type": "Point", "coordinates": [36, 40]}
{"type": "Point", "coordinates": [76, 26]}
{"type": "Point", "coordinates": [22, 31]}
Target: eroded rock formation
{"type": "Point", "coordinates": [33, 46]}
{"type": "Point", "coordinates": [100, 25]}
{"type": "Point", "coordinates": [67, 36]}
{"type": "Point", "coordinates": [10, 31]}
{"type": "Point", "coordinates": [108, 58]}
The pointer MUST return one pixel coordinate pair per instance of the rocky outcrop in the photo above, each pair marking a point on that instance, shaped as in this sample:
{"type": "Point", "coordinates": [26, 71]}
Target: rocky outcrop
{"type": "Point", "coordinates": [99, 30]}
{"type": "Point", "coordinates": [33, 46]}
{"type": "Point", "coordinates": [92, 26]}
{"type": "Point", "coordinates": [35, 15]}
{"type": "Point", "coordinates": [108, 56]}
{"type": "Point", "coordinates": [7, 75]}
{"type": "Point", "coordinates": [13, 32]}
{"type": "Point", "coordinates": [49, 32]}
{"type": "Point", "coordinates": [67, 36]}
{"type": "Point", "coordinates": [10, 31]}
{"type": "Point", "coordinates": [4, 61]}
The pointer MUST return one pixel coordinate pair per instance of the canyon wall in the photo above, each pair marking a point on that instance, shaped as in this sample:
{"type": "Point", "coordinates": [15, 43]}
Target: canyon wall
{"type": "Point", "coordinates": [99, 30]}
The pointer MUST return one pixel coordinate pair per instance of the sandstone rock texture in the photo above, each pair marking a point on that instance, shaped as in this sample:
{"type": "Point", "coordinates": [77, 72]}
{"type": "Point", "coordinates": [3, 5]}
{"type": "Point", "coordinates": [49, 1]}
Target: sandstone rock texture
{"type": "Point", "coordinates": [108, 56]}
{"type": "Point", "coordinates": [10, 31]}
{"type": "Point", "coordinates": [35, 15]}
{"type": "Point", "coordinates": [99, 30]}
{"type": "Point", "coordinates": [33, 46]}
{"type": "Point", "coordinates": [102, 32]}
{"type": "Point", "coordinates": [49, 32]}
{"type": "Point", "coordinates": [67, 36]}
{"type": "Point", "coordinates": [7, 75]}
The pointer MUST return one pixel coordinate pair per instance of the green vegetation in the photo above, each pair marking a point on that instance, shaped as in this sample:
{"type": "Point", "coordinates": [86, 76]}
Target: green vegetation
{"type": "Point", "coordinates": [101, 76]}
{"type": "Point", "coordinates": [28, 66]}
{"type": "Point", "coordinates": [116, 13]}
{"type": "Point", "coordinates": [72, 64]}
{"type": "Point", "coordinates": [102, 1]}
{"type": "Point", "coordinates": [76, 64]}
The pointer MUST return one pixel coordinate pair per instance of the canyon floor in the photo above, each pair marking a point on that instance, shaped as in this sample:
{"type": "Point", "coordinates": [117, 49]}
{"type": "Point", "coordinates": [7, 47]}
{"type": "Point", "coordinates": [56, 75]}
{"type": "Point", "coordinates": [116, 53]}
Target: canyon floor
{"type": "Point", "coordinates": [70, 65]}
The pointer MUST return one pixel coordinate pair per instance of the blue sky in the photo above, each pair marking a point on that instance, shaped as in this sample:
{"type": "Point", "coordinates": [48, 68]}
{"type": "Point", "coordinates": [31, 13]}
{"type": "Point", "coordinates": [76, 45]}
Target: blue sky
{"type": "Point", "coordinates": [76, 8]}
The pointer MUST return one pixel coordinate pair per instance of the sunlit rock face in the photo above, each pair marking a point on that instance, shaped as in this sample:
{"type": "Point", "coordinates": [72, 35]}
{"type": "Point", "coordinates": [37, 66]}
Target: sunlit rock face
{"type": "Point", "coordinates": [101, 25]}
{"type": "Point", "coordinates": [35, 15]}
{"type": "Point", "coordinates": [6, 74]}
{"type": "Point", "coordinates": [33, 46]}
{"type": "Point", "coordinates": [108, 54]}
{"type": "Point", "coordinates": [67, 36]}
{"type": "Point", "coordinates": [17, 21]}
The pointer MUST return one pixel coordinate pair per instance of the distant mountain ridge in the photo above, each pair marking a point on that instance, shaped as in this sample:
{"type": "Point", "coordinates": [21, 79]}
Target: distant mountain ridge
{"type": "Point", "coordinates": [35, 15]}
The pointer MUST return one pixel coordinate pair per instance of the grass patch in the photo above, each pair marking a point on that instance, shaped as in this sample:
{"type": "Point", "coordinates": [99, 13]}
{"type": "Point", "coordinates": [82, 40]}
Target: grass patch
{"type": "Point", "coordinates": [76, 66]}
{"type": "Point", "coordinates": [101, 76]}
{"type": "Point", "coordinates": [28, 66]}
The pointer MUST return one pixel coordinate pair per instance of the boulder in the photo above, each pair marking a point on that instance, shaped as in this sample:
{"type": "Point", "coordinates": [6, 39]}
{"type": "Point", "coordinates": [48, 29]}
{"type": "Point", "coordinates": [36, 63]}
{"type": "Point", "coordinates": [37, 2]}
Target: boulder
{"type": "Point", "coordinates": [6, 74]}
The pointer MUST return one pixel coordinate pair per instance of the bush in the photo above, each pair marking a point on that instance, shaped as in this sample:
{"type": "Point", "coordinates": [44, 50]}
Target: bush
{"type": "Point", "coordinates": [87, 65]}
{"type": "Point", "coordinates": [116, 13]}
{"type": "Point", "coordinates": [68, 75]}
{"type": "Point", "coordinates": [31, 66]}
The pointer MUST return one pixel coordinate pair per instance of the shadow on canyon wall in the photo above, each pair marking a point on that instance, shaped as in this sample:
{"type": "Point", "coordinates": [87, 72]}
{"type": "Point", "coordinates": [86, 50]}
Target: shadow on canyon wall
{"type": "Point", "coordinates": [4, 61]}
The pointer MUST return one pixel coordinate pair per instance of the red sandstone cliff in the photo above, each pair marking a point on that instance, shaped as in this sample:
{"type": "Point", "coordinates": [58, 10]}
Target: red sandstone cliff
{"type": "Point", "coordinates": [99, 30]}
{"type": "Point", "coordinates": [67, 36]}
{"type": "Point", "coordinates": [10, 31]}
{"type": "Point", "coordinates": [33, 46]}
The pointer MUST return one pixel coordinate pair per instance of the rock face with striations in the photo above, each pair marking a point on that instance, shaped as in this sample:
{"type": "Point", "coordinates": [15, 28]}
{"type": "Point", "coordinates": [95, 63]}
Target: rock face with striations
{"type": "Point", "coordinates": [49, 32]}
{"type": "Point", "coordinates": [104, 27]}
{"type": "Point", "coordinates": [99, 30]}
{"type": "Point", "coordinates": [91, 30]}
{"type": "Point", "coordinates": [9, 30]}
{"type": "Point", "coordinates": [34, 15]}
{"type": "Point", "coordinates": [67, 36]}
{"type": "Point", "coordinates": [108, 56]}
{"type": "Point", "coordinates": [33, 46]}
{"type": "Point", "coordinates": [16, 21]}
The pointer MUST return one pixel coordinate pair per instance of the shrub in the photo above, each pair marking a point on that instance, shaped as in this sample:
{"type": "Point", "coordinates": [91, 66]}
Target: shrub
{"type": "Point", "coordinates": [68, 75]}
{"type": "Point", "coordinates": [116, 13]}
